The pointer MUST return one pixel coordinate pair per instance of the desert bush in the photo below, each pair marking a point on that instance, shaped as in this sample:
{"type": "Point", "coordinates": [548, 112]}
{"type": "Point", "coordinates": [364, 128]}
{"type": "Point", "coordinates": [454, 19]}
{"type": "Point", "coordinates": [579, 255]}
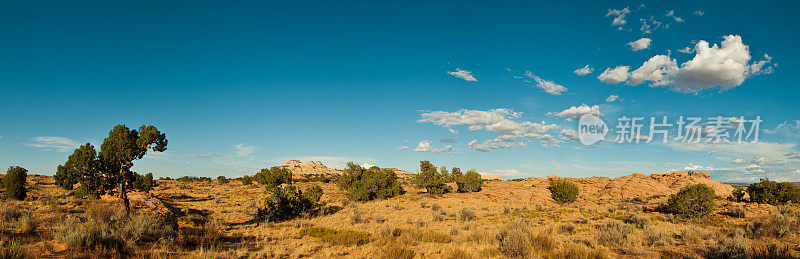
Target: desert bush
{"type": "Point", "coordinates": [466, 214]}
{"type": "Point", "coordinates": [518, 239]}
{"type": "Point", "coordinates": [638, 220]}
{"type": "Point", "coordinates": [222, 179]}
{"type": "Point", "coordinates": [143, 183]}
{"type": "Point", "coordinates": [738, 194]}
{"type": "Point", "coordinates": [397, 251]}
{"type": "Point", "coordinates": [285, 203]}
{"type": "Point", "coordinates": [469, 182]}
{"type": "Point", "coordinates": [692, 201]}
{"type": "Point", "coordinates": [612, 232]}
{"type": "Point", "coordinates": [89, 236]}
{"type": "Point", "coordinates": [430, 179]}
{"type": "Point", "coordinates": [728, 246]}
{"type": "Point", "coordinates": [654, 237]}
{"type": "Point", "coordinates": [369, 184]}
{"type": "Point", "coordinates": [776, 225]}
{"type": "Point", "coordinates": [563, 191]}
{"type": "Point", "coordinates": [11, 249]}
{"type": "Point", "coordinates": [437, 216]}
{"type": "Point", "coordinates": [337, 237]}
{"type": "Point", "coordinates": [771, 192]}
{"type": "Point", "coordinates": [246, 180]}
{"type": "Point", "coordinates": [12, 216]}
{"type": "Point", "coordinates": [14, 182]}
{"type": "Point", "coordinates": [436, 207]}
{"type": "Point", "coordinates": [580, 251]}
{"type": "Point", "coordinates": [567, 228]}
{"type": "Point", "coordinates": [273, 177]}
{"type": "Point", "coordinates": [771, 251]}
{"type": "Point", "coordinates": [108, 230]}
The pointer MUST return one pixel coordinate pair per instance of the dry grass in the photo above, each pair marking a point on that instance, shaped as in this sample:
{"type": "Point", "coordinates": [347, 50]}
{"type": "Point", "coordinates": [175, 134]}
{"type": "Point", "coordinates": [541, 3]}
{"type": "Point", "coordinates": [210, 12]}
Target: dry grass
{"type": "Point", "coordinates": [214, 221]}
{"type": "Point", "coordinates": [338, 237]}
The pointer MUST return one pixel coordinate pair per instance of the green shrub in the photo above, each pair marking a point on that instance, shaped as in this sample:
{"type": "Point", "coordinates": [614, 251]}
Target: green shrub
{"type": "Point", "coordinates": [247, 180]}
{"type": "Point", "coordinates": [692, 201]}
{"type": "Point", "coordinates": [430, 179]}
{"type": "Point", "coordinates": [563, 191]}
{"type": "Point", "coordinates": [771, 192]}
{"type": "Point", "coordinates": [143, 183]}
{"type": "Point", "coordinates": [469, 182]}
{"type": "Point", "coordinates": [273, 177]}
{"type": "Point", "coordinates": [222, 179]}
{"type": "Point", "coordinates": [288, 202]}
{"type": "Point", "coordinates": [369, 184]}
{"type": "Point", "coordinates": [14, 182]}
{"type": "Point", "coordinates": [738, 194]}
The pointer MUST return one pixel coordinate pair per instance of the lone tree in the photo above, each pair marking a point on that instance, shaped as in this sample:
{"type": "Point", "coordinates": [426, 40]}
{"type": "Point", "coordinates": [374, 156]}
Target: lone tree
{"type": "Point", "coordinates": [111, 168]}
{"type": "Point", "coordinates": [14, 182]}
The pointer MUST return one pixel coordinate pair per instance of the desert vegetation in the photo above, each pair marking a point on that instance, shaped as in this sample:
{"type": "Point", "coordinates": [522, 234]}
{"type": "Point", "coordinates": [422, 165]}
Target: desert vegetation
{"type": "Point", "coordinates": [375, 213]}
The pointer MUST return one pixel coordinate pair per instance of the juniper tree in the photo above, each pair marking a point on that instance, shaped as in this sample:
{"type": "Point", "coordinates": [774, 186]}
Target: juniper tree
{"type": "Point", "coordinates": [111, 168]}
{"type": "Point", "coordinates": [14, 182]}
{"type": "Point", "coordinates": [121, 148]}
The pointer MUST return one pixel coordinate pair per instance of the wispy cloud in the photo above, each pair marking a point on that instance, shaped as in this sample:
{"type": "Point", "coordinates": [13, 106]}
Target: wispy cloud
{"type": "Point", "coordinates": [583, 71]}
{"type": "Point", "coordinates": [549, 87]}
{"type": "Point", "coordinates": [60, 144]}
{"type": "Point", "coordinates": [463, 74]}
{"type": "Point", "coordinates": [244, 150]}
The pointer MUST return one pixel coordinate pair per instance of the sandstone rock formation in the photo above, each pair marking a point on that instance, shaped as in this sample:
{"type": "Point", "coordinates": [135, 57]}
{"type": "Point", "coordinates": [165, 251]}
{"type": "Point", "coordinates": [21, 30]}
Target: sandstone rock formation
{"type": "Point", "coordinates": [638, 185]}
{"type": "Point", "coordinates": [301, 169]}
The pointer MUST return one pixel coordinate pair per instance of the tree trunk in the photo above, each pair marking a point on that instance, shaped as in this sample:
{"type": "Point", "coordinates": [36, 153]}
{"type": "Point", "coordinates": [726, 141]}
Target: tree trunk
{"type": "Point", "coordinates": [123, 192]}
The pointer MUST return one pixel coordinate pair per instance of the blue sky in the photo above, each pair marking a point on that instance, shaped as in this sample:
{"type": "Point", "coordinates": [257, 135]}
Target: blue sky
{"type": "Point", "coordinates": [243, 86]}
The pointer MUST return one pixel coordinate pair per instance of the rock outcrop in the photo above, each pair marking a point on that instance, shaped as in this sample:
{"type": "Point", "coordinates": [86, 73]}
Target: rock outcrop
{"type": "Point", "coordinates": [301, 169]}
{"type": "Point", "coordinates": [638, 185]}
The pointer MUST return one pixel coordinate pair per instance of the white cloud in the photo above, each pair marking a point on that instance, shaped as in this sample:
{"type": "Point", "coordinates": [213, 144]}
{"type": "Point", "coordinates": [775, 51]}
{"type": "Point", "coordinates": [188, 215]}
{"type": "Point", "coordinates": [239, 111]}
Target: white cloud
{"type": "Point", "coordinates": [653, 25]}
{"type": "Point", "coordinates": [640, 44]}
{"type": "Point", "coordinates": [549, 87]}
{"type": "Point", "coordinates": [787, 128]}
{"type": "Point", "coordinates": [497, 120]}
{"type": "Point", "coordinates": [686, 50]}
{"type": "Point", "coordinates": [425, 146]}
{"type": "Point", "coordinates": [401, 148]}
{"type": "Point", "coordinates": [671, 13]}
{"type": "Point", "coordinates": [583, 71]}
{"type": "Point", "coordinates": [568, 134]}
{"type": "Point", "coordinates": [463, 74]}
{"type": "Point", "coordinates": [244, 150]}
{"type": "Point", "coordinates": [657, 70]}
{"type": "Point", "coordinates": [614, 76]}
{"type": "Point", "coordinates": [575, 112]}
{"type": "Point", "coordinates": [612, 98]}
{"type": "Point", "coordinates": [699, 13]}
{"type": "Point", "coordinates": [619, 16]}
{"type": "Point", "coordinates": [694, 167]}
{"type": "Point", "coordinates": [60, 144]}
{"type": "Point", "coordinates": [760, 160]}
{"type": "Point", "coordinates": [726, 66]}
{"type": "Point", "coordinates": [492, 144]}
